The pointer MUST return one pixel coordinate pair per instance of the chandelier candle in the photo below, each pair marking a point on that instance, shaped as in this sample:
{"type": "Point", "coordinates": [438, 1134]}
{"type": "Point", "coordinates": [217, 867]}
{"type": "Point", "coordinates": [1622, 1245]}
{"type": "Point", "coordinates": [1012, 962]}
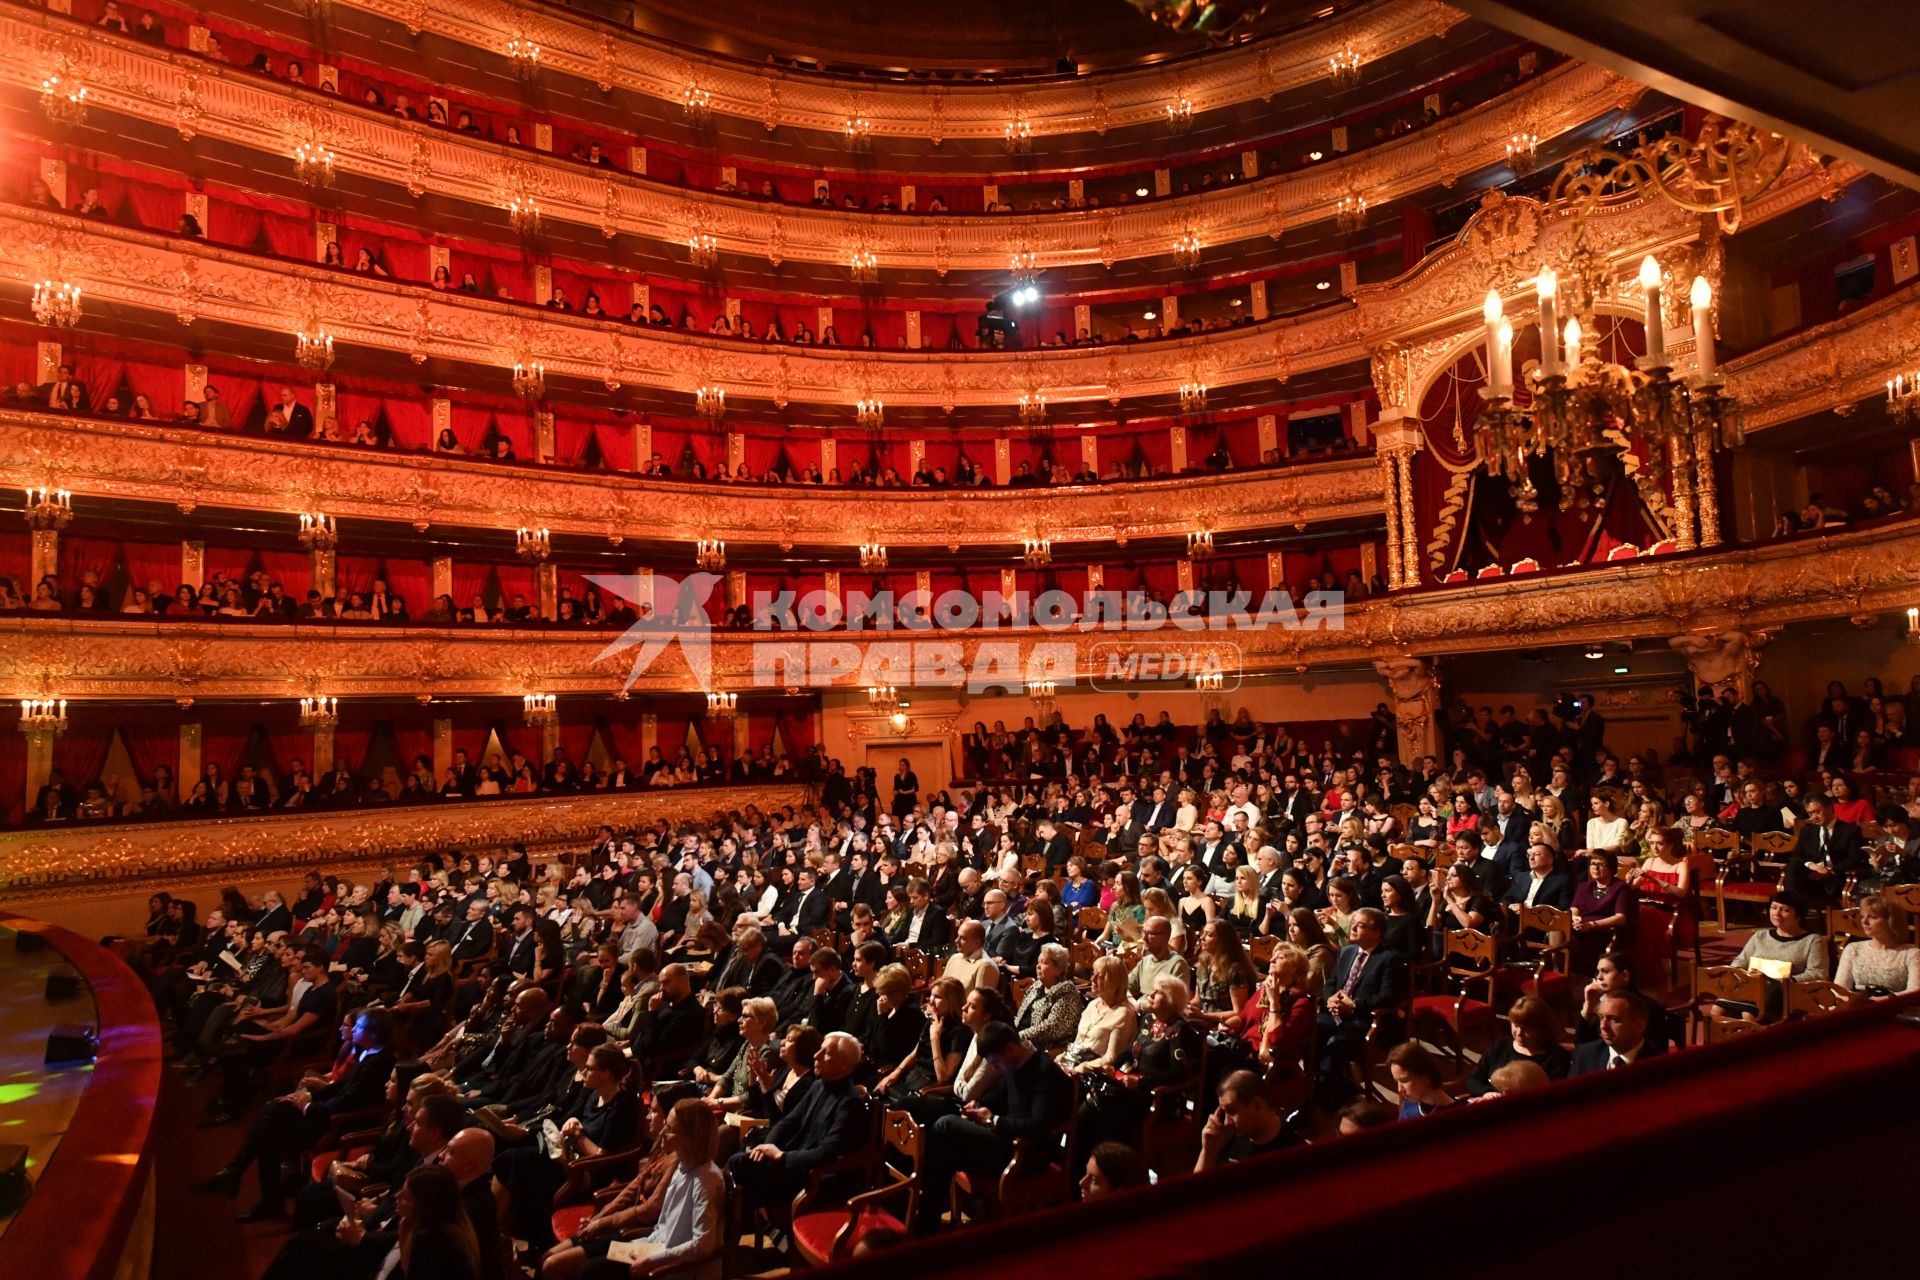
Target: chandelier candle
{"type": "Point", "coordinates": [1702, 299]}
{"type": "Point", "coordinates": [1656, 331]}
{"type": "Point", "coordinates": [1497, 371]}
{"type": "Point", "coordinates": [1548, 286]}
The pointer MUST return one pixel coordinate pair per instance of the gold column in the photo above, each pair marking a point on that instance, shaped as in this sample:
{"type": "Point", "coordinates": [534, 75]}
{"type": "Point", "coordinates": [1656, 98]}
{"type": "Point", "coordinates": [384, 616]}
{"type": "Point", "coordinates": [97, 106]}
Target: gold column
{"type": "Point", "coordinates": [1709, 496]}
{"type": "Point", "coordinates": [323, 751]}
{"type": "Point", "coordinates": [1389, 488]}
{"type": "Point", "coordinates": [193, 564]}
{"type": "Point", "coordinates": [189, 759]}
{"type": "Point", "coordinates": [548, 578]}
{"type": "Point", "coordinates": [550, 743]}
{"type": "Point", "coordinates": [323, 565]}
{"type": "Point", "coordinates": [40, 763]}
{"type": "Point", "coordinates": [543, 438]}
{"type": "Point", "coordinates": [45, 560]}
{"type": "Point", "coordinates": [1409, 544]}
{"type": "Point", "coordinates": [442, 747]}
{"type": "Point", "coordinates": [1680, 451]}
{"type": "Point", "coordinates": [443, 578]}
{"type": "Point", "coordinates": [741, 742]}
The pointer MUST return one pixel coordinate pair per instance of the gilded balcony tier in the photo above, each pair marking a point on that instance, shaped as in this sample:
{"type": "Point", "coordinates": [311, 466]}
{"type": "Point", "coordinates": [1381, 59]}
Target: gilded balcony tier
{"type": "Point", "coordinates": [75, 861]}
{"type": "Point", "coordinates": [1436, 303]}
{"type": "Point", "coordinates": [200, 99]}
{"type": "Point", "coordinates": [1095, 103]}
{"type": "Point", "coordinates": [191, 467]}
{"type": "Point", "coordinates": [1863, 572]}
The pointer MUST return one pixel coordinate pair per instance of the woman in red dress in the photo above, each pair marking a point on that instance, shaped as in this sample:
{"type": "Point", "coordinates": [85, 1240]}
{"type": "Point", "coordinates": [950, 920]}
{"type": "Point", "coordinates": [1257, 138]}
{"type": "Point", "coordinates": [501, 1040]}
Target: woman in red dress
{"type": "Point", "coordinates": [1669, 910]}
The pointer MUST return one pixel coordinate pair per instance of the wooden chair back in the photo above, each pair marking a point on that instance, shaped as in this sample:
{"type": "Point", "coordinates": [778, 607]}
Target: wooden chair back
{"type": "Point", "coordinates": [1718, 1028]}
{"type": "Point", "coordinates": [1770, 845]}
{"type": "Point", "coordinates": [1033, 863]}
{"type": "Point", "coordinates": [918, 965]}
{"type": "Point", "coordinates": [1908, 897]}
{"type": "Point", "coordinates": [1810, 996]}
{"type": "Point", "coordinates": [1469, 953]}
{"type": "Point", "coordinates": [1404, 814]}
{"type": "Point", "coordinates": [1260, 949]}
{"type": "Point", "coordinates": [1541, 933]}
{"type": "Point", "coordinates": [1092, 920]}
{"type": "Point", "coordinates": [1716, 840]}
{"type": "Point", "coordinates": [1401, 852]}
{"type": "Point", "coordinates": [1724, 982]}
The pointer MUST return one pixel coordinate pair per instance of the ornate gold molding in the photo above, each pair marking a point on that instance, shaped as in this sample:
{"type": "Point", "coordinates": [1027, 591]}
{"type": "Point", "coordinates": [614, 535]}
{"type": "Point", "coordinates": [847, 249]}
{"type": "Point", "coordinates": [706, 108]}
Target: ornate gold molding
{"type": "Point", "coordinates": [138, 80]}
{"type": "Point", "coordinates": [75, 861]}
{"type": "Point", "coordinates": [772, 97]}
{"type": "Point", "coordinates": [1835, 365]}
{"type": "Point", "coordinates": [1862, 572]}
{"type": "Point", "coordinates": [153, 462]}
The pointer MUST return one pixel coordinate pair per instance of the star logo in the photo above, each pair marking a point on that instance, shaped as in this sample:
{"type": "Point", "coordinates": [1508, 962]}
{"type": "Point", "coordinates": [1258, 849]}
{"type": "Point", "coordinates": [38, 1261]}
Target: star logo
{"type": "Point", "coordinates": [670, 613]}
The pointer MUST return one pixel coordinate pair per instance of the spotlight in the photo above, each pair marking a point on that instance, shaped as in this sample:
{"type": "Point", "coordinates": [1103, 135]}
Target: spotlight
{"type": "Point", "coordinates": [1149, 315]}
{"type": "Point", "coordinates": [1324, 285]}
{"type": "Point", "coordinates": [1595, 652]}
{"type": "Point", "coordinates": [1140, 193]}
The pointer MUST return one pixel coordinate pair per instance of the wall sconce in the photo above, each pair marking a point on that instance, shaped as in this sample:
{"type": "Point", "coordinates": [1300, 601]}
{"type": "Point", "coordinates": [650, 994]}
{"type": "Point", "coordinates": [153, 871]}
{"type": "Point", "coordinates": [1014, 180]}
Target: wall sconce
{"type": "Point", "coordinates": [320, 712]}
{"type": "Point", "coordinates": [1344, 67]}
{"type": "Point", "coordinates": [313, 164]}
{"type": "Point", "coordinates": [869, 412]}
{"type": "Point", "coordinates": [49, 509]}
{"type": "Point", "coordinates": [56, 304]}
{"type": "Point", "coordinates": [43, 715]}
{"type": "Point", "coordinates": [1186, 250]}
{"type": "Point", "coordinates": [313, 350]}
{"type": "Point", "coordinates": [1200, 545]}
{"type": "Point", "coordinates": [865, 265]}
{"type": "Point", "coordinates": [1037, 552]}
{"type": "Point", "coordinates": [710, 402]}
{"type": "Point", "coordinates": [532, 545]}
{"type": "Point", "coordinates": [710, 554]}
{"type": "Point", "coordinates": [525, 55]}
{"type": "Point", "coordinates": [523, 215]}
{"type": "Point", "coordinates": [1193, 397]}
{"type": "Point", "coordinates": [883, 697]}
{"type": "Point", "coordinates": [319, 532]}
{"type": "Point", "coordinates": [1350, 214]}
{"type": "Point", "coordinates": [873, 556]}
{"type": "Point", "coordinates": [1020, 136]}
{"type": "Point", "coordinates": [529, 379]}
{"type": "Point", "coordinates": [859, 132]}
{"type": "Point", "coordinates": [703, 251]}
{"type": "Point", "coordinates": [697, 105]}
{"type": "Point", "coordinates": [64, 101]}
{"type": "Point", "coordinates": [721, 705]}
{"type": "Point", "coordinates": [1180, 114]}
{"type": "Point", "coordinates": [539, 709]}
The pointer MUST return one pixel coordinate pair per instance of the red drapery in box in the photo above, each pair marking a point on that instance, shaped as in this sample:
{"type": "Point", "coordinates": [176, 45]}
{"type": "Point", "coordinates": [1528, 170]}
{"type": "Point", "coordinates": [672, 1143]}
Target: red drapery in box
{"type": "Point", "coordinates": [760, 729]}
{"type": "Point", "coordinates": [615, 441]}
{"type": "Point", "coordinates": [576, 740]}
{"type": "Point", "coordinates": [469, 580]}
{"type": "Point", "coordinates": [238, 392]}
{"type": "Point", "coordinates": [101, 375]}
{"type": "Point", "coordinates": [759, 453]}
{"type": "Point", "coordinates": [517, 580]}
{"type": "Point", "coordinates": [470, 425]}
{"type": "Point", "coordinates": [355, 573]}
{"type": "Point", "coordinates": [352, 408]}
{"type": "Point", "coordinates": [293, 570]}
{"type": "Point", "coordinates": [1157, 446]}
{"type": "Point", "coordinates": [709, 449]}
{"type": "Point", "coordinates": [410, 578]}
{"type": "Point", "coordinates": [796, 729]}
{"type": "Point", "coordinates": [152, 741]}
{"type": "Point", "coordinates": [670, 731]}
{"type": "Point", "coordinates": [290, 238]}
{"type": "Point", "coordinates": [669, 442]}
{"type": "Point", "coordinates": [13, 772]}
{"type": "Point", "coordinates": [80, 556]}
{"type": "Point", "coordinates": [16, 558]}
{"type": "Point", "coordinates": [410, 420]}
{"type": "Point", "coordinates": [287, 742]}
{"type": "Point", "coordinates": [233, 563]}
{"type": "Point", "coordinates": [222, 744]}
{"type": "Point", "coordinates": [570, 436]}
{"type": "Point", "coordinates": [156, 209]}
{"type": "Point", "coordinates": [82, 749]}
{"type": "Point", "coordinates": [526, 741]}
{"type": "Point", "coordinates": [164, 385]}
{"type": "Point", "coordinates": [232, 224]}
{"type": "Point", "coordinates": [415, 740]}
{"type": "Point", "coordinates": [151, 562]}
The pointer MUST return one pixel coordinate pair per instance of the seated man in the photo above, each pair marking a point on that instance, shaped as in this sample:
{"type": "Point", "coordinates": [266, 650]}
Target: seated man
{"type": "Point", "coordinates": [674, 1025]}
{"type": "Point", "coordinates": [1031, 1099]}
{"type": "Point", "coordinates": [1245, 1124]}
{"type": "Point", "coordinates": [289, 1125]}
{"type": "Point", "coordinates": [1623, 1035]}
{"type": "Point", "coordinates": [1367, 978]}
{"type": "Point", "coordinates": [970, 965]}
{"type": "Point", "coordinates": [831, 1121]}
{"type": "Point", "coordinates": [1160, 960]}
{"type": "Point", "coordinates": [1827, 852]}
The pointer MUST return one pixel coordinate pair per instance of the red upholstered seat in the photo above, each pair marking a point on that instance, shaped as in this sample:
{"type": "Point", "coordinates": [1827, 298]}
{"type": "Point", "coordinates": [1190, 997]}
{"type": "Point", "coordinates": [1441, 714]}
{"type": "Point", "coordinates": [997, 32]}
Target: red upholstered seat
{"type": "Point", "coordinates": [813, 1233]}
{"type": "Point", "coordinates": [1472, 1012]}
{"type": "Point", "coordinates": [567, 1221]}
{"type": "Point", "coordinates": [326, 1158]}
{"type": "Point", "coordinates": [1549, 985]}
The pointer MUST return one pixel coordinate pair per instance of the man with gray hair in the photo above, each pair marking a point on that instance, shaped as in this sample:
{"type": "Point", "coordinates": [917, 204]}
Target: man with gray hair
{"type": "Point", "coordinates": [831, 1121]}
{"type": "Point", "coordinates": [970, 965]}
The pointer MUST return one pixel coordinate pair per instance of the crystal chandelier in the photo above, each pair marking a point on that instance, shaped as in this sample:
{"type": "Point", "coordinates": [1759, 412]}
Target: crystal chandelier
{"type": "Point", "coordinates": [49, 509]}
{"type": "Point", "coordinates": [313, 164]}
{"type": "Point", "coordinates": [1344, 68]}
{"type": "Point", "coordinates": [696, 104]}
{"type": "Point", "coordinates": [532, 545]}
{"type": "Point", "coordinates": [1200, 545]}
{"type": "Point", "coordinates": [319, 532]}
{"type": "Point", "coordinates": [523, 215]}
{"type": "Point", "coordinates": [43, 715]}
{"type": "Point", "coordinates": [1350, 214]}
{"type": "Point", "coordinates": [1024, 262]}
{"type": "Point", "coordinates": [539, 709]}
{"type": "Point", "coordinates": [869, 412]}
{"type": "Point", "coordinates": [64, 101]}
{"type": "Point", "coordinates": [859, 133]}
{"type": "Point", "coordinates": [864, 263]}
{"type": "Point", "coordinates": [1210, 682]}
{"type": "Point", "coordinates": [1180, 114]}
{"type": "Point", "coordinates": [1913, 625]}
{"type": "Point", "coordinates": [883, 697]}
{"type": "Point", "coordinates": [710, 402]}
{"type": "Point", "coordinates": [873, 556]}
{"type": "Point", "coordinates": [529, 379]}
{"type": "Point", "coordinates": [1903, 396]}
{"type": "Point", "coordinates": [721, 704]}
{"type": "Point", "coordinates": [525, 55]}
{"type": "Point", "coordinates": [319, 712]}
{"type": "Point", "coordinates": [1037, 552]}
{"type": "Point", "coordinates": [703, 251]}
{"type": "Point", "coordinates": [1193, 397]}
{"type": "Point", "coordinates": [1523, 149]}
{"type": "Point", "coordinates": [1020, 136]}
{"type": "Point", "coordinates": [710, 554]}
{"type": "Point", "coordinates": [1033, 407]}
{"type": "Point", "coordinates": [314, 350]}
{"type": "Point", "coordinates": [1186, 250]}
{"type": "Point", "coordinates": [1580, 404]}
{"type": "Point", "coordinates": [56, 303]}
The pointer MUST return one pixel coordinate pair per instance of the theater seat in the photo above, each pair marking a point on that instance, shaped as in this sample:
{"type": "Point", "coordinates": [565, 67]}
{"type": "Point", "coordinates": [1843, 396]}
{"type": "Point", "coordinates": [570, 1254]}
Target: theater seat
{"type": "Point", "coordinates": [1664, 547]}
{"type": "Point", "coordinates": [1491, 571]}
{"type": "Point", "coordinates": [1458, 575]}
{"type": "Point", "coordinates": [568, 1220]}
{"type": "Point", "coordinates": [1625, 551]}
{"type": "Point", "coordinates": [325, 1159]}
{"type": "Point", "coordinates": [813, 1233]}
{"type": "Point", "coordinates": [1472, 1013]}
{"type": "Point", "coordinates": [1529, 565]}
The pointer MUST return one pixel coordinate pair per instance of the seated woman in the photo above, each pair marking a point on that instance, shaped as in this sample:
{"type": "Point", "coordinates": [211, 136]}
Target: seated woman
{"type": "Point", "coordinates": [1246, 909]}
{"type": "Point", "coordinates": [1021, 952]}
{"type": "Point", "coordinates": [1615, 973]}
{"type": "Point", "coordinates": [1534, 1036]}
{"type": "Point", "coordinates": [1603, 912]}
{"type": "Point", "coordinates": [1461, 905]}
{"type": "Point", "coordinates": [896, 1032]}
{"type": "Point", "coordinates": [1884, 963]}
{"type": "Point", "coordinates": [606, 1119]}
{"type": "Point", "coordinates": [1108, 1022]}
{"type": "Point", "coordinates": [635, 1208]}
{"type": "Point", "coordinates": [1166, 1050]}
{"type": "Point", "coordinates": [1224, 979]}
{"type": "Point", "coordinates": [1669, 912]}
{"type": "Point", "coordinates": [748, 1082]}
{"type": "Point", "coordinates": [1336, 918]}
{"type": "Point", "coordinates": [1277, 1023]}
{"type": "Point", "coordinates": [943, 1046]}
{"type": "Point", "coordinates": [1050, 1012]}
{"type": "Point", "coordinates": [1785, 949]}
{"type": "Point", "coordinates": [1417, 1077]}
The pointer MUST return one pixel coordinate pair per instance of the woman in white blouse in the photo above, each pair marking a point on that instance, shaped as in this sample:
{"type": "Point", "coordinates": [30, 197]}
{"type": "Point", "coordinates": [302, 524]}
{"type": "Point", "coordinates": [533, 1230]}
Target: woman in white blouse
{"type": "Point", "coordinates": [1108, 1023]}
{"type": "Point", "coordinates": [687, 1235]}
{"type": "Point", "coordinates": [1606, 829]}
{"type": "Point", "coordinates": [1188, 814]}
{"type": "Point", "coordinates": [1883, 963]}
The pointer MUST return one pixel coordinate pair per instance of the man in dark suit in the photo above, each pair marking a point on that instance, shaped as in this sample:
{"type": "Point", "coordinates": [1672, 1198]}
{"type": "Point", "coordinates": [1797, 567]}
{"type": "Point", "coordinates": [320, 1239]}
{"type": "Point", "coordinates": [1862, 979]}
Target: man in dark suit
{"type": "Point", "coordinates": [274, 916]}
{"type": "Point", "coordinates": [673, 1026]}
{"type": "Point", "coordinates": [1367, 978]}
{"type": "Point", "coordinates": [751, 965]}
{"type": "Point", "coordinates": [1827, 852]}
{"type": "Point", "coordinates": [1127, 830]}
{"type": "Point", "coordinates": [66, 392]}
{"type": "Point", "coordinates": [1031, 1098]}
{"type": "Point", "coordinates": [1161, 813]}
{"type": "Point", "coordinates": [1055, 844]}
{"type": "Point", "coordinates": [808, 909]}
{"type": "Point", "coordinates": [830, 1122]}
{"type": "Point", "coordinates": [1623, 1039]}
{"type": "Point", "coordinates": [288, 1125]}
{"type": "Point", "coordinates": [521, 951]}
{"type": "Point", "coordinates": [1543, 884]}
{"type": "Point", "coordinates": [54, 802]}
{"type": "Point", "coordinates": [1295, 802]}
{"type": "Point", "coordinates": [298, 417]}
{"type": "Point", "coordinates": [926, 925]}
{"type": "Point", "coordinates": [473, 937]}
{"type": "Point", "coordinates": [828, 1005]}
{"type": "Point", "coordinates": [512, 1049]}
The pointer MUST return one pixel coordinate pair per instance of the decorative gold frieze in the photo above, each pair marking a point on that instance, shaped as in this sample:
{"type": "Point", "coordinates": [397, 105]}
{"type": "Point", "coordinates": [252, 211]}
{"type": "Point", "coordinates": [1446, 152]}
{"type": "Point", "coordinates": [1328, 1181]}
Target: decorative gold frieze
{"type": "Point", "coordinates": [74, 861]}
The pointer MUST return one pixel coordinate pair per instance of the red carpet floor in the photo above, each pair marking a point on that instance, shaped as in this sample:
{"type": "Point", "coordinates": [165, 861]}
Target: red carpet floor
{"type": "Point", "coordinates": [195, 1236]}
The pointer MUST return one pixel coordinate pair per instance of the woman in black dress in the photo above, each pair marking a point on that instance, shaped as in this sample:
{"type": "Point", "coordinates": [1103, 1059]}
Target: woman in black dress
{"type": "Point", "coordinates": [906, 789]}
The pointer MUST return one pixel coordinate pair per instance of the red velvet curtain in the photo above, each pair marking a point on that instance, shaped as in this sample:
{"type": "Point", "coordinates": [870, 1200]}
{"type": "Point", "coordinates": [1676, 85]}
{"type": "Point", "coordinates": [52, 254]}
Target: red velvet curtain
{"type": "Point", "coordinates": [102, 376]}
{"type": "Point", "coordinates": [232, 562]}
{"type": "Point", "coordinates": [411, 578]}
{"type": "Point", "coordinates": [164, 385]}
{"type": "Point", "coordinates": [289, 237]}
{"type": "Point", "coordinates": [78, 556]}
{"type": "Point", "coordinates": [517, 580]}
{"type": "Point", "coordinates": [410, 421]}
{"type": "Point", "coordinates": [355, 573]}
{"type": "Point", "coordinates": [796, 729]}
{"type": "Point", "coordinates": [82, 749]}
{"type": "Point", "coordinates": [469, 580]}
{"type": "Point", "coordinates": [150, 562]}
{"type": "Point", "coordinates": [293, 570]}
{"type": "Point", "coordinates": [153, 741]}
{"type": "Point", "coordinates": [470, 425]}
{"type": "Point", "coordinates": [615, 442]}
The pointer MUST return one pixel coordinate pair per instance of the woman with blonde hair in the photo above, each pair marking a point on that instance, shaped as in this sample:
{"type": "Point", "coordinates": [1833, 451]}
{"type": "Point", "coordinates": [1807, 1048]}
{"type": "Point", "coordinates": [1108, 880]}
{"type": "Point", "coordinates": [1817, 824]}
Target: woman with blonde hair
{"type": "Point", "coordinates": [1187, 816]}
{"type": "Point", "coordinates": [1108, 1022]}
{"type": "Point", "coordinates": [1884, 963]}
{"type": "Point", "coordinates": [1158, 902]}
{"type": "Point", "coordinates": [1247, 907]}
